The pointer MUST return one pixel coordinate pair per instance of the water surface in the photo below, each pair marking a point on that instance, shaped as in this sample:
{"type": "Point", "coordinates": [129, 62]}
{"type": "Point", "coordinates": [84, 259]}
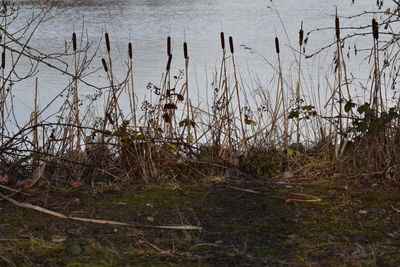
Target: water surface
{"type": "Point", "coordinates": [147, 23]}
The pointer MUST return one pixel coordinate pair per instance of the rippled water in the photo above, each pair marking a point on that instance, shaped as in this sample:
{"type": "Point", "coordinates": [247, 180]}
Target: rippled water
{"type": "Point", "coordinates": [147, 23]}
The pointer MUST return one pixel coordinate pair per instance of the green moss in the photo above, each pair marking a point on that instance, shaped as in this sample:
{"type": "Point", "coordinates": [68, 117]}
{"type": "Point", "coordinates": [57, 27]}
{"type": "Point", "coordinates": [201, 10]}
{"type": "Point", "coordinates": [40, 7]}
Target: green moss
{"type": "Point", "coordinates": [203, 248]}
{"type": "Point", "coordinates": [331, 232]}
{"type": "Point", "coordinates": [272, 253]}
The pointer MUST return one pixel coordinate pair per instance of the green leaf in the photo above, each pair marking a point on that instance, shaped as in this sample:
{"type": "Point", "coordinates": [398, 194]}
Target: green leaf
{"type": "Point", "coordinates": [190, 138]}
{"type": "Point", "coordinates": [294, 114]}
{"type": "Point", "coordinates": [120, 133]}
{"type": "Point", "coordinates": [364, 108]}
{"type": "Point", "coordinates": [308, 108]}
{"type": "Point", "coordinates": [250, 122]}
{"type": "Point", "coordinates": [141, 137]}
{"type": "Point", "coordinates": [349, 105]}
{"type": "Point", "coordinates": [186, 123]}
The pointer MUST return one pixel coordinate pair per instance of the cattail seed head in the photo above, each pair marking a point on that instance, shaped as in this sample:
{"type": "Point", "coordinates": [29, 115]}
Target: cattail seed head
{"type": "Point", "coordinates": [222, 40]}
{"type": "Point", "coordinates": [107, 42]}
{"type": "Point", "coordinates": [169, 52]}
{"type": "Point", "coordinates": [375, 29]}
{"type": "Point", "coordinates": [169, 63]}
{"type": "Point", "coordinates": [185, 50]}
{"type": "Point", "coordinates": [231, 44]}
{"type": "Point", "coordinates": [74, 41]}
{"type": "Point", "coordinates": [301, 35]}
{"type": "Point", "coordinates": [104, 64]}
{"type": "Point", "coordinates": [277, 45]}
{"type": "Point", "coordinates": [337, 28]}
{"type": "Point", "coordinates": [130, 53]}
{"type": "Point", "coordinates": [3, 59]}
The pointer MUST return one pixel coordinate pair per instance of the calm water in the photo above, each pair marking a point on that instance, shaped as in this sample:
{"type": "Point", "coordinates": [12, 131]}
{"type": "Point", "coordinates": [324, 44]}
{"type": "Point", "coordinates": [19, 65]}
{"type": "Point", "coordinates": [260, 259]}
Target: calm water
{"type": "Point", "coordinates": [147, 23]}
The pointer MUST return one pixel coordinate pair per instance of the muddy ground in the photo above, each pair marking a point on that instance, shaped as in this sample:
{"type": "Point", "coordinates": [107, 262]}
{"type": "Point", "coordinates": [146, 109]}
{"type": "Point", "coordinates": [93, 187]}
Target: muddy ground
{"type": "Point", "coordinates": [244, 223]}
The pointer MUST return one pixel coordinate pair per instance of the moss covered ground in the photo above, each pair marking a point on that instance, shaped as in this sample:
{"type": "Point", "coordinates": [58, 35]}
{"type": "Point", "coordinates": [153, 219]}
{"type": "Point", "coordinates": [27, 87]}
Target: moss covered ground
{"type": "Point", "coordinates": [354, 224]}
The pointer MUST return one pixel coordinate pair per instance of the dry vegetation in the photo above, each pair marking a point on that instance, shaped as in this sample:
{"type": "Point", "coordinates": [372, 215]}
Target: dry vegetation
{"type": "Point", "coordinates": [170, 138]}
{"type": "Point", "coordinates": [243, 133]}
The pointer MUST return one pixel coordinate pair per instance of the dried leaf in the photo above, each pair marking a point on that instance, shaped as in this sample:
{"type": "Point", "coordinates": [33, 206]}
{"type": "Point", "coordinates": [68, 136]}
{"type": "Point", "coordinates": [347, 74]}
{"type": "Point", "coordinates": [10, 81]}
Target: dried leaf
{"type": "Point", "coordinates": [58, 239]}
{"type": "Point", "coordinates": [76, 184]}
{"type": "Point", "coordinates": [5, 179]}
{"type": "Point", "coordinates": [170, 106]}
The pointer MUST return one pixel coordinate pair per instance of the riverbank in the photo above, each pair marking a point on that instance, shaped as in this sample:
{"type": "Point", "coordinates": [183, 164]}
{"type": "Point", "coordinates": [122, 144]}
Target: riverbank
{"type": "Point", "coordinates": [258, 222]}
{"type": "Point", "coordinates": [287, 172]}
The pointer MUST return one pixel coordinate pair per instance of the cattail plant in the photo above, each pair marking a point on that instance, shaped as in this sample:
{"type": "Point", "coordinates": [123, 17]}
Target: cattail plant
{"type": "Point", "coordinates": [35, 131]}
{"type": "Point", "coordinates": [298, 87]}
{"type": "Point", "coordinates": [232, 50]}
{"type": "Point", "coordinates": [223, 84]}
{"type": "Point", "coordinates": [165, 103]}
{"type": "Point", "coordinates": [169, 49]}
{"type": "Point", "coordinates": [281, 93]}
{"type": "Point", "coordinates": [113, 112]}
{"type": "Point", "coordinates": [103, 61]}
{"type": "Point", "coordinates": [340, 140]}
{"type": "Point", "coordinates": [376, 98]}
{"type": "Point", "coordinates": [108, 47]}
{"type": "Point", "coordinates": [131, 92]}
{"type": "Point", "coordinates": [75, 94]}
{"type": "Point", "coordinates": [74, 45]}
{"type": "Point", "coordinates": [3, 93]}
{"type": "Point", "coordinates": [339, 86]}
{"type": "Point", "coordinates": [188, 121]}
{"type": "Point", "coordinates": [3, 59]}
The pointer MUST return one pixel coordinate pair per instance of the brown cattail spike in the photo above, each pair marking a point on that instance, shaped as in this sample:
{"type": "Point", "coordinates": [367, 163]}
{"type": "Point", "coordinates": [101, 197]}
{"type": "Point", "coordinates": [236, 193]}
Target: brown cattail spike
{"type": "Point", "coordinates": [107, 43]}
{"type": "Point", "coordinates": [301, 35]}
{"type": "Point", "coordinates": [231, 44]}
{"type": "Point", "coordinates": [222, 40]}
{"type": "Point", "coordinates": [277, 45]}
{"type": "Point", "coordinates": [169, 63]}
{"type": "Point", "coordinates": [130, 53]}
{"type": "Point", "coordinates": [375, 29]}
{"type": "Point", "coordinates": [185, 50]}
{"type": "Point", "coordinates": [3, 59]}
{"type": "Point", "coordinates": [337, 27]}
{"type": "Point", "coordinates": [74, 41]}
{"type": "Point", "coordinates": [104, 65]}
{"type": "Point", "coordinates": [169, 52]}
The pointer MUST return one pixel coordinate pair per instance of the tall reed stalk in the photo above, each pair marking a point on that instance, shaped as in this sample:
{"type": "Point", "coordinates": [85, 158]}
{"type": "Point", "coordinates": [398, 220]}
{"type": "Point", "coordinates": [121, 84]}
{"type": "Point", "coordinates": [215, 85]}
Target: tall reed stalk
{"type": "Point", "coordinates": [298, 86]}
{"type": "Point", "coordinates": [35, 131]}
{"type": "Point", "coordinates": [131, 88]}
{"type": "Point", "coordinates": [188, 120]}
{"type": "Point", "coordinates": [237, 91]}
{"type": "Point", "coordinates": [282, 96]}
{"type": "Point", "coordinates": [3, 93]}
{"type": "Point", "coordinates": [376, 93]}
{"type": "Point", "coordinates": [339, 132]}
{"type": "Point", "coordinates": [76, 97]}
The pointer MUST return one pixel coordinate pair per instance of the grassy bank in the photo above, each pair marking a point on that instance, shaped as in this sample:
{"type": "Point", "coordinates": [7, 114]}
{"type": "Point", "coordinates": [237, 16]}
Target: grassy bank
{"type": "Point", "coordinates": [352, 225]}
{"type": "Point", "coordinates": [270, 175]}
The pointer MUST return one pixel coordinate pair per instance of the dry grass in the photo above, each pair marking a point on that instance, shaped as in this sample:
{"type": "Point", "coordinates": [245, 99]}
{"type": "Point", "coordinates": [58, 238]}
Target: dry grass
{"type": "Point", "coordinates": [170, 138]}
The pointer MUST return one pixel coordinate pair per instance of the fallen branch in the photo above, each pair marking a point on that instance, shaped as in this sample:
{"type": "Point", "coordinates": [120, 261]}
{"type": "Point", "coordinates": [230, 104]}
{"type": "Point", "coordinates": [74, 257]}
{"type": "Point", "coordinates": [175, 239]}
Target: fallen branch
{"type": "Point", "coordinates": [302, 198]}
{"type": "Point", "coordinates": [292, 198]}
{"type": "Point", "coordinates": [13, 190]}
{"type": "Point", "coordinates": [395, 209]}
{"type": "Point", "coordinates": [98, 221]}
{"type": "Point", "coordinates": [253, 192]}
